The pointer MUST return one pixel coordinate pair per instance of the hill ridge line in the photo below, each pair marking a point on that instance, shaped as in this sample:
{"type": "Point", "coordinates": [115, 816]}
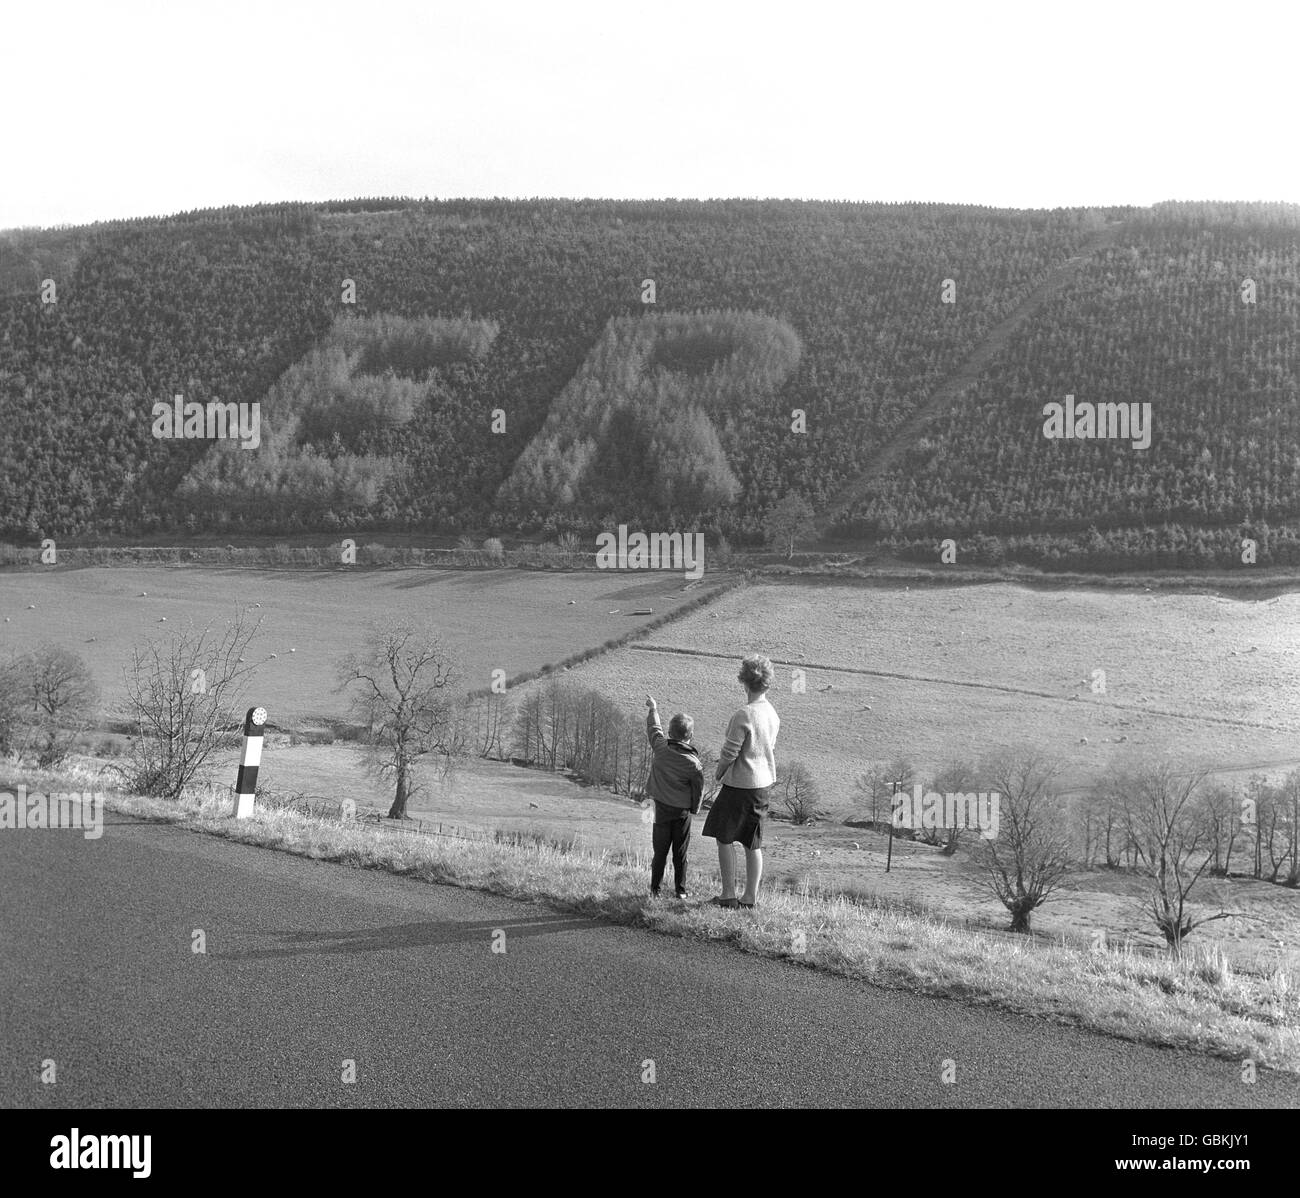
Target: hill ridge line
{"type": "Point", "coordinates": [968, 373]}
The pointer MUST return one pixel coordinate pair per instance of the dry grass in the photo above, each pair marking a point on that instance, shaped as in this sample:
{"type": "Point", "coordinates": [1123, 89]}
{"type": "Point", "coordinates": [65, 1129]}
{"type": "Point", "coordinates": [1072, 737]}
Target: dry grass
{"type": "Point", "coordinates": [1196, 1003]}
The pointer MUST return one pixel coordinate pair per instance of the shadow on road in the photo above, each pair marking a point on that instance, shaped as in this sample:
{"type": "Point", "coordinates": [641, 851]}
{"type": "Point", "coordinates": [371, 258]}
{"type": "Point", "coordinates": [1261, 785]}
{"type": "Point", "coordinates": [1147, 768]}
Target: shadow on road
{"type": "Point", "coordinates": [411, 935]}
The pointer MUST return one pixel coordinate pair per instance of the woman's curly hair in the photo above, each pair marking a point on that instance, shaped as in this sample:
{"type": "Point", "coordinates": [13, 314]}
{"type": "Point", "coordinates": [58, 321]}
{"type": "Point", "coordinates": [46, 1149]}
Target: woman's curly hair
{"type": "Point", "coordinates": [756, 672]}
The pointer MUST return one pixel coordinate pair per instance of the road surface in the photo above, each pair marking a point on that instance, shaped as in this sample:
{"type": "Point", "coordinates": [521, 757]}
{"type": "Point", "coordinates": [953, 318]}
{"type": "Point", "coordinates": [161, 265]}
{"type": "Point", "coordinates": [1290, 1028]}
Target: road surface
{"type": "Point", "coordinates": [310, 965]}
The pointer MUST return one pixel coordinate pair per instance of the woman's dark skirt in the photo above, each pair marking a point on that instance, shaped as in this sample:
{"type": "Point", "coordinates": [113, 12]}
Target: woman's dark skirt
{"type": "Point", "coordinates": [738, 815]}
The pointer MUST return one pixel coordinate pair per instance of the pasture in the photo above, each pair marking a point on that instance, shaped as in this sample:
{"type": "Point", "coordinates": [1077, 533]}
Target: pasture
{"type": "Point", "coordinates": [953, 672]}
{"type": "Point", "coordinates": [512, 620]}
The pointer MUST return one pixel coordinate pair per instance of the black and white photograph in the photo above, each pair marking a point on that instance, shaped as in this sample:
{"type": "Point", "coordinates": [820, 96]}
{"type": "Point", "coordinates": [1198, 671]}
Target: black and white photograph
{"type": "Point", "coordinates": [690, 556]}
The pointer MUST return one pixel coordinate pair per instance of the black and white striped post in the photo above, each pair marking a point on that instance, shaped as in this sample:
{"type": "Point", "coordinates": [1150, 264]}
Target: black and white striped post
{"type": "Point", "coordinates": [246, 781]}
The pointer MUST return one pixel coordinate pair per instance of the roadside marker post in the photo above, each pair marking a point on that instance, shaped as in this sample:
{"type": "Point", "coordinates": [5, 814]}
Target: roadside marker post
{"type": "Point", "coordinates": [246, 780]}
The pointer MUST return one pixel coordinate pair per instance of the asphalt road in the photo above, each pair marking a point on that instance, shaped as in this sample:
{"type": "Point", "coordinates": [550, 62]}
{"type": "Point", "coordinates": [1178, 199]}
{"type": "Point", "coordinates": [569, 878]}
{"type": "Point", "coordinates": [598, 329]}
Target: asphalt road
{"type": "Point", "coordinates": [310, 965]}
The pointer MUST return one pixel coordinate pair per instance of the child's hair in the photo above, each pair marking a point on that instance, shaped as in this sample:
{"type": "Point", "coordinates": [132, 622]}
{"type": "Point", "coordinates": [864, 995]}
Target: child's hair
{"type": "Point", "coordinates": [680, 727]}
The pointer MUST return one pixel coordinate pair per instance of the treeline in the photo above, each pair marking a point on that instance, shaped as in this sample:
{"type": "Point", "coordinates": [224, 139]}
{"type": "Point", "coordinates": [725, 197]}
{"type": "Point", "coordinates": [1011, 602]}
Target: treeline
{"type": "Point", "coordinates": [565, 553]}
{"type": "Point", "coordinates": [1169, 546]}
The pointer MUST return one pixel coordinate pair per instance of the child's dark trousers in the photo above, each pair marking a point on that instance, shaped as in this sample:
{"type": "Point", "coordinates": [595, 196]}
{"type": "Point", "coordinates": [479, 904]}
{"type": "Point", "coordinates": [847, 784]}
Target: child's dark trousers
{"type": "Point", "coordinates": [672, 829]}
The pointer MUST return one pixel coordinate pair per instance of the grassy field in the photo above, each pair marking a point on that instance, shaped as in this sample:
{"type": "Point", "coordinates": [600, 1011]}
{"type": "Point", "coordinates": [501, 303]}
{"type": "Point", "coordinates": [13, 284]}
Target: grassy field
{"type": "Point", "coordinates": [940, 673]}
{"type": "Point", "coordinates": [490, 619]}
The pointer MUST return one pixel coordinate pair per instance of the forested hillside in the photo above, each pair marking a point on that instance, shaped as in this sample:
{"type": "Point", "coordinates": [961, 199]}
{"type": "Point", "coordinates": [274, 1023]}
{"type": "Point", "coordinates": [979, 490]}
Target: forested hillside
{"type": "Point", "coordinates": [495, 367]}
{"type": "Point", "coordinates": [1164, 316]}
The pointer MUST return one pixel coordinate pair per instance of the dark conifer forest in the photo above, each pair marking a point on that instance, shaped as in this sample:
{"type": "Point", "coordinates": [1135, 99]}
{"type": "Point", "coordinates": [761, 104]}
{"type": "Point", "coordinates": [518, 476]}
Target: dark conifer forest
{"type": "Point", "coordinates": [537, 368]}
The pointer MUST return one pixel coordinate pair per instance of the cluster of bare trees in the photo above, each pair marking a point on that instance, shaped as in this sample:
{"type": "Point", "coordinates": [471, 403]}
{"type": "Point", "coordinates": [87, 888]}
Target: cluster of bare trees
{"type": "Point", "coordinates": [1174, 829]}
{"type": "Point", "coordinates": [566, 727]}
{"type": "Point", "coordinates": [181, 698]}
{"type": "Point", "coordinates": [1256, 826]}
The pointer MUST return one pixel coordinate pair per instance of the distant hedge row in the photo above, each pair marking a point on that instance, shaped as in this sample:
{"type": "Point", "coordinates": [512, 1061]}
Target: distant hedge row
{"type": "Point", "coordinates": [618, 642]}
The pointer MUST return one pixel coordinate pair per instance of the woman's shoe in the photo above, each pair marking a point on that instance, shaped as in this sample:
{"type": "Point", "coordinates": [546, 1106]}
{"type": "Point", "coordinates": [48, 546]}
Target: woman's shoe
{"type": "Point", "coordinates": [724, 902]}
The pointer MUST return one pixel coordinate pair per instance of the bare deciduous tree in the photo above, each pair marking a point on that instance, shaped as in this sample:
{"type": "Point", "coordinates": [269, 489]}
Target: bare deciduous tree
{"type": "Point", "coordinates": [957, 777]}
{"type": "Point", "coordinates": [1291, 798]}
{"type": "Point", "coordinates": [183, 691]}
{"type": "Point", "coordinates": [61, 698]}
{"type": "Point", "coordinates": [487, 717]}
{"type": "Point", "coordinates": [791, 520]}
{"type": "Point", "coordinates": [1173, 833]}
{"type": "Point", "coordinates": [873, 789]}
{"type": "Point", "coordinates": [11, 705]}
{"type": "Point", "coordinates": [799, 792]}
{"type": "Point", "coordinates": [400, 686]}
{"type": "Point", "coordinates": [1222, 810]}
{"type": "Point", "coordinates": [1029, 858]}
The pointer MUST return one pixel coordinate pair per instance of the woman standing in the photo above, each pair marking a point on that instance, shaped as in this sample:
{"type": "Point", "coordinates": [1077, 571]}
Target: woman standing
{"type": "Point", "coordinates": [747, 771]}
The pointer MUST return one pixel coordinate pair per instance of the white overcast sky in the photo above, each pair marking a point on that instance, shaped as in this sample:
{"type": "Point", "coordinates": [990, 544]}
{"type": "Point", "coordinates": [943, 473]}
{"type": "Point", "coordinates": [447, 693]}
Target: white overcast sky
{"type": "Point", "coordinates": [124, 108]}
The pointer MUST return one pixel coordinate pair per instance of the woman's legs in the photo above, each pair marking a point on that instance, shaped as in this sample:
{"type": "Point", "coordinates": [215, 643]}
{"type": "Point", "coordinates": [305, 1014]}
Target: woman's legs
{"type": "Point", "coordinates": [727, 868]}
{"type": "Point", "coordinates": [753, 875]}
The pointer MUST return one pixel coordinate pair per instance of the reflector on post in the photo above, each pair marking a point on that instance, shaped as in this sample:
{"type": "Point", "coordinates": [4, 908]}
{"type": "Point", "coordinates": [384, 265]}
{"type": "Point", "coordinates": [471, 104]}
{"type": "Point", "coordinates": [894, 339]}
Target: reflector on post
{"type": "Point", "coordinates": [246, 781]}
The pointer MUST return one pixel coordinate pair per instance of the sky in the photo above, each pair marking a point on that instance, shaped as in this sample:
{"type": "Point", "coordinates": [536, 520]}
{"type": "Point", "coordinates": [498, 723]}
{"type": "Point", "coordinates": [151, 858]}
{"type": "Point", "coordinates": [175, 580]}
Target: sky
{"type": "Point", "coordinates": [135, 109]}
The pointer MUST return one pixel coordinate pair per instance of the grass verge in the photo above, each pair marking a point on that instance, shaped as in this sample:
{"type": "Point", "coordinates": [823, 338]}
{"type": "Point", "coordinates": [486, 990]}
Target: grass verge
{"type": "Point", "coordinates": [1196, 1003]}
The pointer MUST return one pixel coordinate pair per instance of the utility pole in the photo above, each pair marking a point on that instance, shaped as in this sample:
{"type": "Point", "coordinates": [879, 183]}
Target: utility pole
{"type": "Point", "coordinates": [893, 793]}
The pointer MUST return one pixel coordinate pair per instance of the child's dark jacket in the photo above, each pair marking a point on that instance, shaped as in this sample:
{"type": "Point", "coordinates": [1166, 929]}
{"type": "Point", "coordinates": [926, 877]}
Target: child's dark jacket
{"type": "Point", "coordinates": [676, 776]}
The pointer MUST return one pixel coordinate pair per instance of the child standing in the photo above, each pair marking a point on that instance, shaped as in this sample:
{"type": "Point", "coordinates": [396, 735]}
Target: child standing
{"type": "Point", "coordinates": [676, 784]}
